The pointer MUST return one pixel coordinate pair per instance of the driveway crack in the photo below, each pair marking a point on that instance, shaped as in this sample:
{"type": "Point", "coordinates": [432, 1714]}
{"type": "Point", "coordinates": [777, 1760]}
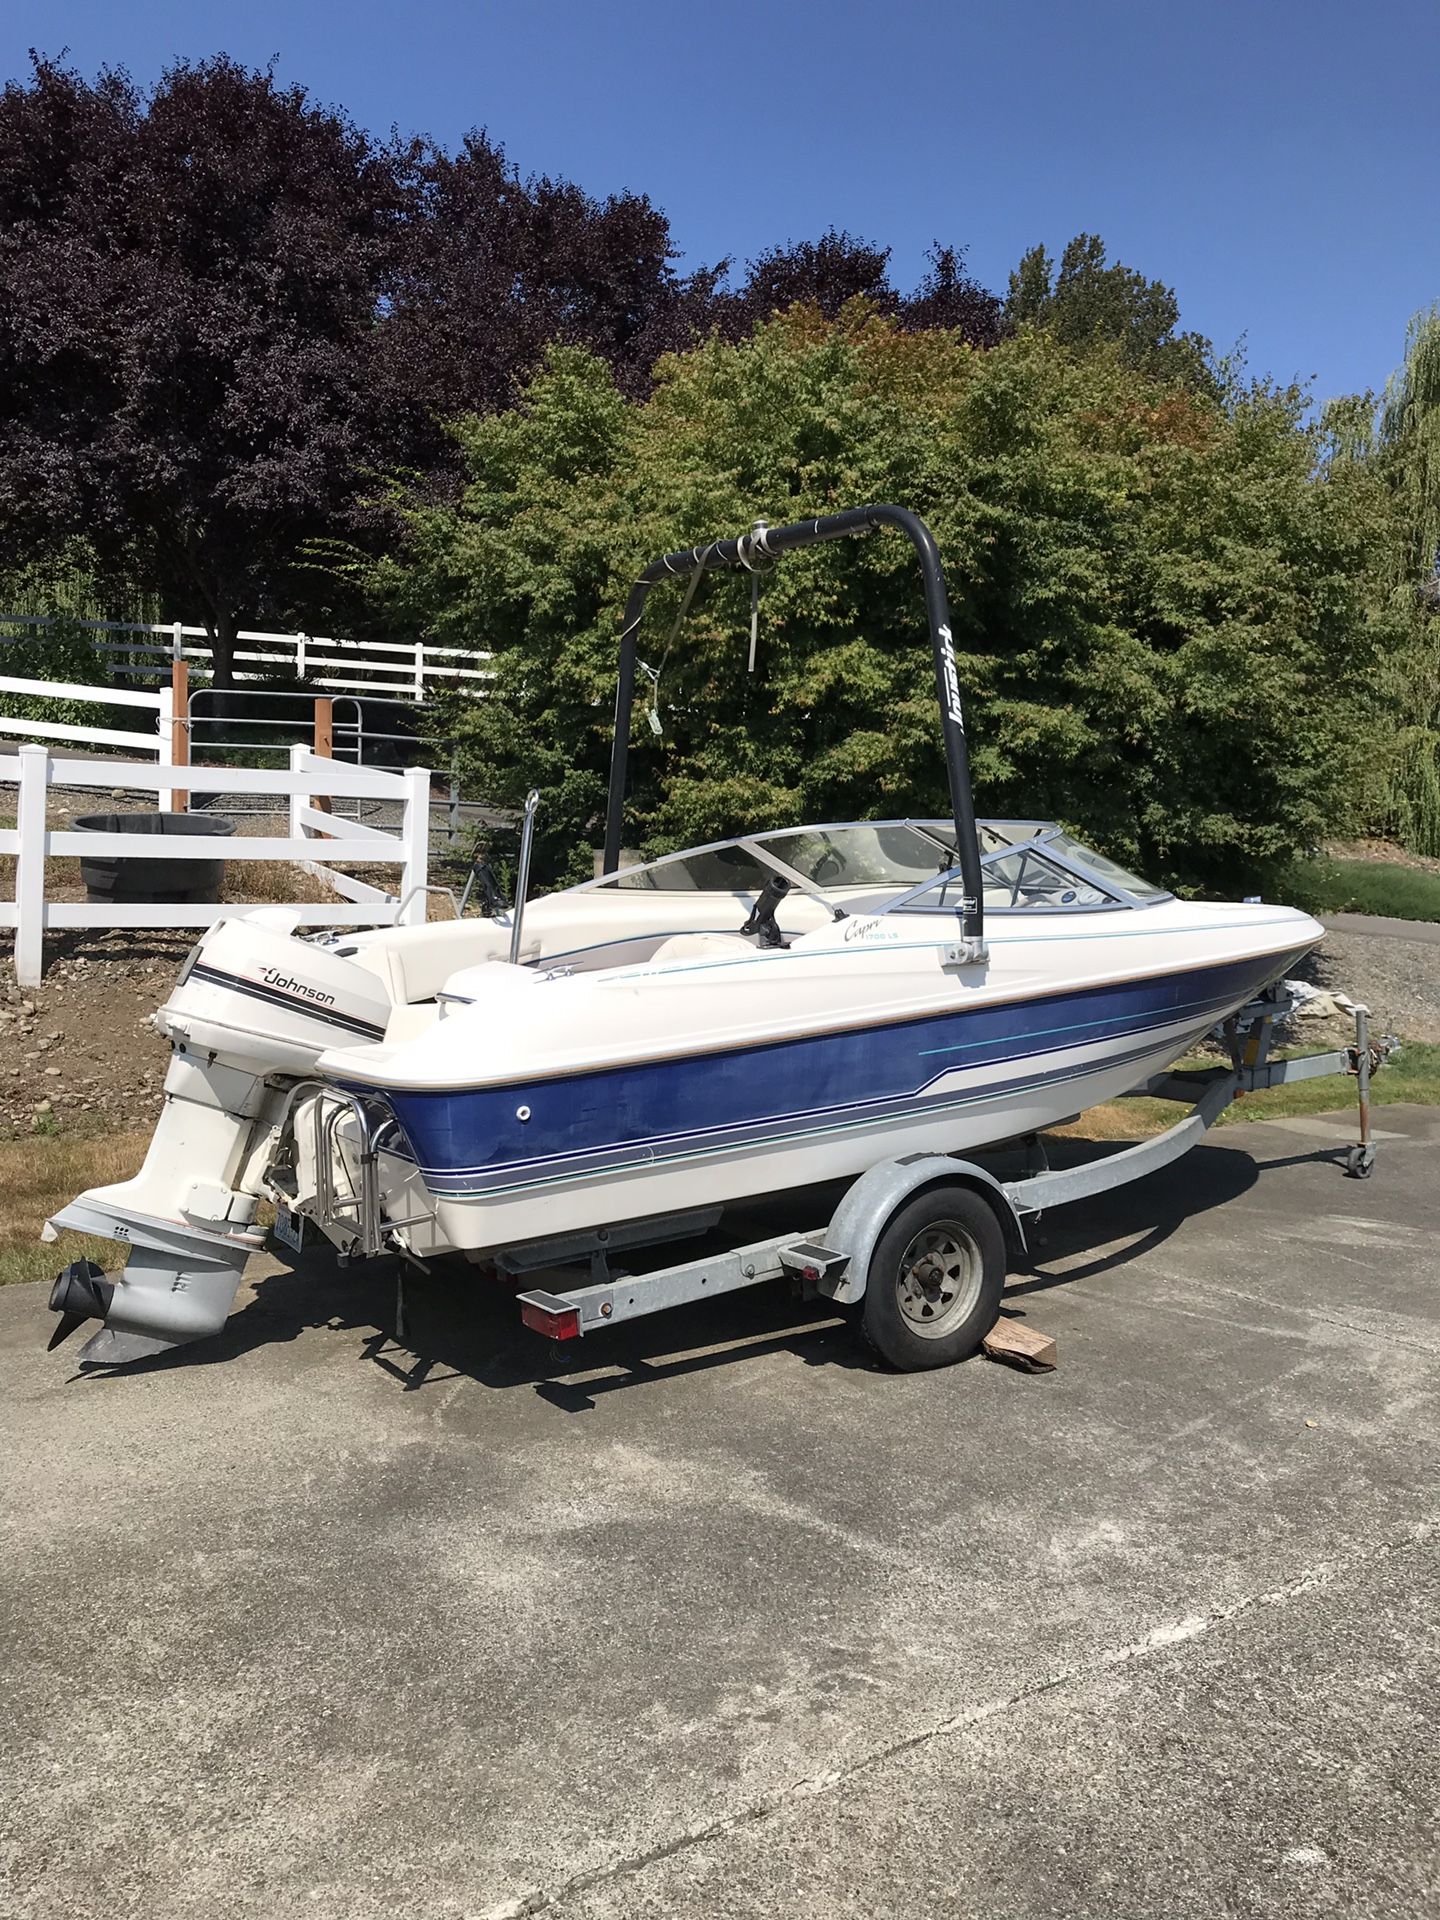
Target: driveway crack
{"type": "Point", "coordinates": [1161, 1639]}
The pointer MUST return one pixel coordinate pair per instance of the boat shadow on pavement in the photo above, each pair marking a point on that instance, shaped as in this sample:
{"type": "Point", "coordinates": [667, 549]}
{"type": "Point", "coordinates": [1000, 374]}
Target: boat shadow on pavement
{"type": "Point", "coordinates": [462, 1323]}
{"type": "Point", "coordinates": [1134, 1220]}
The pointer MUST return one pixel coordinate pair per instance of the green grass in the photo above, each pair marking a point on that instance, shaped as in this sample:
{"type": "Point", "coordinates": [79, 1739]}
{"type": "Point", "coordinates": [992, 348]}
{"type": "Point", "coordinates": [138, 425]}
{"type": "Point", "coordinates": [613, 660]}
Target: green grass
{"type": "Point", "coordinates": [1361, 886]}
{"type": "Point", "coordinates": [1411, 1078]}
{"type": "Point", "coordinates": [38, 1176]}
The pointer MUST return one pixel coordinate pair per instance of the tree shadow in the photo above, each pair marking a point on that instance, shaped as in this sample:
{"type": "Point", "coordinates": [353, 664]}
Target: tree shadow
{"type": "Point", "coordinates": [136, 946]}
{"type": "Point", "coordinates": [461, 1323]}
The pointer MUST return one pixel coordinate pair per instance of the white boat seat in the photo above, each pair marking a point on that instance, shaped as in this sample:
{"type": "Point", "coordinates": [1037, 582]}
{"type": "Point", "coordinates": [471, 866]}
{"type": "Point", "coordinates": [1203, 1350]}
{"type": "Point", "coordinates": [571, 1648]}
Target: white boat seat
{"type": "Point", "coordinates": [486, 979]}
{"type": "Point", "coordinates": [408, 1022]}
{"type": "Point", "coordinates": [701, 946]}
{"type": "Point", "coordinates": [415, 962]}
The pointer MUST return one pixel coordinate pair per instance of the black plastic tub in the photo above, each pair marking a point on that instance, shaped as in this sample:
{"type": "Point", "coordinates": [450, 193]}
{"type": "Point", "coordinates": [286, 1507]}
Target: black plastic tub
{"type": "Point", "coordinates": [139, 879]}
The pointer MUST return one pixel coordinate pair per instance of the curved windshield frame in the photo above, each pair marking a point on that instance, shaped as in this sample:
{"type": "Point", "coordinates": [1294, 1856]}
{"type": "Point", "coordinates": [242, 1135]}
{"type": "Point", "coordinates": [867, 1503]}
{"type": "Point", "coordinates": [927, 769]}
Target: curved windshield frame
{"type": "Point", "coordinates": [1027, 866]}
{"type": "Point", "coordinates": [1046, 871]}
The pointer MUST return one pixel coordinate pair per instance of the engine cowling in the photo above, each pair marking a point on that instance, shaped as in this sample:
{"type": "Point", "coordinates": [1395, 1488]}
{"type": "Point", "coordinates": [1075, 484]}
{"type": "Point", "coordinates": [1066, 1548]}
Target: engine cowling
{"type": "Point", "coordinates": [270, 1003]}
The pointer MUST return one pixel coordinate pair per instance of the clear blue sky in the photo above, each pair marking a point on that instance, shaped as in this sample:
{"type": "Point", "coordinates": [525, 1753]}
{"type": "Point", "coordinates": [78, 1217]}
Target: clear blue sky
{"type": "Point", "coordinates": [1278, 164]}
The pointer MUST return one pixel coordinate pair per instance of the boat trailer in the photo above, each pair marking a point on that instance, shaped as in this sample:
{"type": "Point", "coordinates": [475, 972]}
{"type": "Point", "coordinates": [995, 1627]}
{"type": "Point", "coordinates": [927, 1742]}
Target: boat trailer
{"type": "Point", "coordinates": [919, 1246]}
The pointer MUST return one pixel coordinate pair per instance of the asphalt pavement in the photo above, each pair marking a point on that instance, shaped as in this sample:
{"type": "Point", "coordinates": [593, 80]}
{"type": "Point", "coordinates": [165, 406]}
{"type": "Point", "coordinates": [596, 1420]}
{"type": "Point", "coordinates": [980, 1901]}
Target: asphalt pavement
{"type": "Point", "coordinates": [1380, 926]}
{"type": "Point", "coordinates": [714, 1617]}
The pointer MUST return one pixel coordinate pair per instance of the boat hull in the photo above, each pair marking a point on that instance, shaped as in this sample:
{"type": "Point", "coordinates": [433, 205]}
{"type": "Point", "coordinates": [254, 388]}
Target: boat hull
{"type": "Point", "coordinates": [502, 1164]}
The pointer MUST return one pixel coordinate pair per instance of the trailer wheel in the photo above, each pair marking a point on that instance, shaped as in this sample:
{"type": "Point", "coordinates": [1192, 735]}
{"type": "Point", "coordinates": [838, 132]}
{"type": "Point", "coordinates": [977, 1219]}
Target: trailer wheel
{"type": "Point", "coordinates": [935, 1280]}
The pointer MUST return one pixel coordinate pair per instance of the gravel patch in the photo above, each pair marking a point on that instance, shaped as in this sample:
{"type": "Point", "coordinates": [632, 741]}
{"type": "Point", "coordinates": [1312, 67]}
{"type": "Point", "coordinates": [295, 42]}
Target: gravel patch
{"type": "Point", "coordinates": [1397, 978]}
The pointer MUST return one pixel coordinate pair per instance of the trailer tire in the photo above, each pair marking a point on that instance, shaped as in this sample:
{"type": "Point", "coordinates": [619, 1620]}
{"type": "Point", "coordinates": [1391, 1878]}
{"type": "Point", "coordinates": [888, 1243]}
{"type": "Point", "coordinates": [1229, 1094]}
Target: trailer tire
{"type": "Point", "coordinates": [935, 1281]}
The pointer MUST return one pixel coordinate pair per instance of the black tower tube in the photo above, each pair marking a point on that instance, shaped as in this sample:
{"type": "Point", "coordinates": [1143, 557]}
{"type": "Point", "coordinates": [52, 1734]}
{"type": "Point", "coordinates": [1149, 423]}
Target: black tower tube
{"type": "Point", "coordinates": [766, 543]}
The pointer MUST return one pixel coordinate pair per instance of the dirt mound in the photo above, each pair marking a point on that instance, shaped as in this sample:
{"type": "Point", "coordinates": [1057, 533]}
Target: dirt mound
{"type": "Point", "coordinates": [78, 1052]}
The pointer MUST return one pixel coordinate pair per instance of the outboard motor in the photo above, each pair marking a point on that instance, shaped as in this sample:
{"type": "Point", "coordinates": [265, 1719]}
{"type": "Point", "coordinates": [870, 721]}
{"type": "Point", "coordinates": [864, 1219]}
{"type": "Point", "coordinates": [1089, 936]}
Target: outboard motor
{"type": "Point", "coordinates": [251, 1004]}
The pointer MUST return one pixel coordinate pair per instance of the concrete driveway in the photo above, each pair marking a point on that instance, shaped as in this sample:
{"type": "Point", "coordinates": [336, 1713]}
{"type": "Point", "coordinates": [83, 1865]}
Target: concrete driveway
{"type": "Point", "coordinates": [722, 1620]}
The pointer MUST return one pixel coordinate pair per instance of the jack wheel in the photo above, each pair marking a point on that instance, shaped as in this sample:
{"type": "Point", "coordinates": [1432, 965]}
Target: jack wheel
{"type": "Point", "coordinates": [1360, 1162]}
{"type": "Point", "coordinates": [935, 1280]}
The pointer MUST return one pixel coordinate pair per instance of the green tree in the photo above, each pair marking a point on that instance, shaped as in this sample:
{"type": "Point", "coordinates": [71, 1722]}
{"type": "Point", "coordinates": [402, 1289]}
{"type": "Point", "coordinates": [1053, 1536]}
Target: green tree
{"type": "Point", "coordinates": [1394, 450]}
{"type": "Point", "coordinates": [1410, 437]}
{"type": "Point", "coordinates": [1161, 612]}
{"type": "Point", "coordinates": [1092, 301]}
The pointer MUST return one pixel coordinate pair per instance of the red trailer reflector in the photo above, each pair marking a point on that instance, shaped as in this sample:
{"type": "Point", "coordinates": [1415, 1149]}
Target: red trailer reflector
{"type": "Point", "coordinates": [547, 1314]}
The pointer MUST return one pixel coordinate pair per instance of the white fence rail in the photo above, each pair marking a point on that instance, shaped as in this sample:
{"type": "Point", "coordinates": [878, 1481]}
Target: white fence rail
{"type": "Point", "coordinates": [315, 842]}
{"type": "Point", "coordinates": [391, 669]}
{"type": "Point", "coordinates": [162, 704]}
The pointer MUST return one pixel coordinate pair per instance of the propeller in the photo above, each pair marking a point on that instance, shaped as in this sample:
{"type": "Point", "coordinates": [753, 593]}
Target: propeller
{"type": "Point", "coordinates": [80, 1293]}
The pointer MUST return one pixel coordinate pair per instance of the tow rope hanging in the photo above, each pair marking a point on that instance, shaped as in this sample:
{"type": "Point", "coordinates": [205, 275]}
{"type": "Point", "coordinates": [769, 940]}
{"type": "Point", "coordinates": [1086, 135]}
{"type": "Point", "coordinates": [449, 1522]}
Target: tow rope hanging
{"type": "Point", "coordinates": [757, 541]}
{"type": "Point", "coordinates": [652, 674]}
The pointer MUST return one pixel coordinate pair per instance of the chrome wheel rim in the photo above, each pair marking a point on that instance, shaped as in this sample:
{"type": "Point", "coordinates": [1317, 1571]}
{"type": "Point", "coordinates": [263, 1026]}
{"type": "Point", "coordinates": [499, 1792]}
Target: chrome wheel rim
{"type": "Point", "coordinates": [940, 1277]}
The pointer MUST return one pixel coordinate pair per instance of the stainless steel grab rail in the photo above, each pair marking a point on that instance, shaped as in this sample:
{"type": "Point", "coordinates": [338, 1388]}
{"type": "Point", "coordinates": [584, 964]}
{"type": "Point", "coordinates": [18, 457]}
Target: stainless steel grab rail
{"type": "Point", "coordinates": [362, 1209]}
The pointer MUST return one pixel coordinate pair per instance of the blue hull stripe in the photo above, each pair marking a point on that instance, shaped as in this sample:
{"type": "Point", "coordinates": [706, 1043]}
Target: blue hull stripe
{"type": "Point", "coordinates": [490, 1183]}
{"type": "Point", "coordinates": [472, 1141]}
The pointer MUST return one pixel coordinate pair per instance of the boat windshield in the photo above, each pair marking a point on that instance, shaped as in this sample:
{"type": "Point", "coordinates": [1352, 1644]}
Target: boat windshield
{"type": "Point", "coordinates": [898, 863]}
{"type": "Point", "coordinates": [726, 868]}
{"type": "Point", "coordinates": [864, 853]}
{"type": "Point", "coordinates": [1050, 870]}
{"type": "Point", "coordinates": [871, 853]}
{"type": "Point", "coordinates": [1104, 868]}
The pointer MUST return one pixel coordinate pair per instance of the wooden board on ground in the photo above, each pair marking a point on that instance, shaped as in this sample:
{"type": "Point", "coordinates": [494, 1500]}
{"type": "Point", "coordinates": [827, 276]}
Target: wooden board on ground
{"type": "Point", "coordinates": [1021, 1346]}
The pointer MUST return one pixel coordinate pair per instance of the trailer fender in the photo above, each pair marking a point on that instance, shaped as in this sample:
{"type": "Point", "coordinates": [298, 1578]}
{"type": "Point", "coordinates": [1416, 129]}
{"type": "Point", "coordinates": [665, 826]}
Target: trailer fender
{"type": "Point", "coordinates": [873, 1201]}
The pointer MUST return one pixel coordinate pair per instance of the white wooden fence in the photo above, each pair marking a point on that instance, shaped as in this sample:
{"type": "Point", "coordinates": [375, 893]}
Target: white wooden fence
{"type": "Point", "coordinates": [162, 704]}
{"type": "Point", "coordinates": [391, 669]}
{"type": "Point", "coordinates": [317, 842]}
{"type": "Point", "coordinates": [162, 742]}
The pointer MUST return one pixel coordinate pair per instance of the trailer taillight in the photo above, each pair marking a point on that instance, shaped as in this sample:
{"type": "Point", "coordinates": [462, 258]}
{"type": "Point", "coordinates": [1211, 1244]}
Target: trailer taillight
{"type": "Point", "coordinates": [545, 1314]}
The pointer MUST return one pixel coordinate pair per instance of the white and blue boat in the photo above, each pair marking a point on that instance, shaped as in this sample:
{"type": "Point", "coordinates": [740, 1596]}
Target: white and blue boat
{"type": "Point", "coordinates": [768, 1012]}
{"type": "Point", "coordinates": [648, 1056]}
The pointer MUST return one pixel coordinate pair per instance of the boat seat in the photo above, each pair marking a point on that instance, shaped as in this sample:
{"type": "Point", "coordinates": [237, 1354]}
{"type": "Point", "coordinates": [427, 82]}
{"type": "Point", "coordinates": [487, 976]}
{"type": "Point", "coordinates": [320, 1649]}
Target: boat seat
{"type": "Point", "coordinates": [701, 946]}
{"type": "Point", "coordinates": [409, 1021]}
{"type": "Point", "coordinates": [487, 979]}
{"type": "Point", "coordinates": [415, 962]}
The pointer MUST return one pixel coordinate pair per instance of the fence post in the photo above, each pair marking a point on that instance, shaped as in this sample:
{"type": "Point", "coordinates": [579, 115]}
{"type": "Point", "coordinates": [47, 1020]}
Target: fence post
{"type": "Point", "coordinates": [30, 866]}
{"type": "Point", "coordinates": [299, 758]}
{"type": "Point", "coordinates": [420, 670]}
{"type": "Point", "coordinates": [324, 743]}
{"type": "Point", "coordinates": [177, 640]}
{"type": "Point", "coordinates": [300, 660]}
{"type": "Point", "coordinates": [165, 744]}
{"type": "Point", "coordinates": [180, 724]}
{"type": "Point", "coordinates": [415, 835]}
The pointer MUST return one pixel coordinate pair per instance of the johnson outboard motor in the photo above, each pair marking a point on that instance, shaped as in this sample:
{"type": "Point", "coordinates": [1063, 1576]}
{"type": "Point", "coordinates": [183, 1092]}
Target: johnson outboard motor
{"type": "Point", "coordinates": [252, 1011]}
